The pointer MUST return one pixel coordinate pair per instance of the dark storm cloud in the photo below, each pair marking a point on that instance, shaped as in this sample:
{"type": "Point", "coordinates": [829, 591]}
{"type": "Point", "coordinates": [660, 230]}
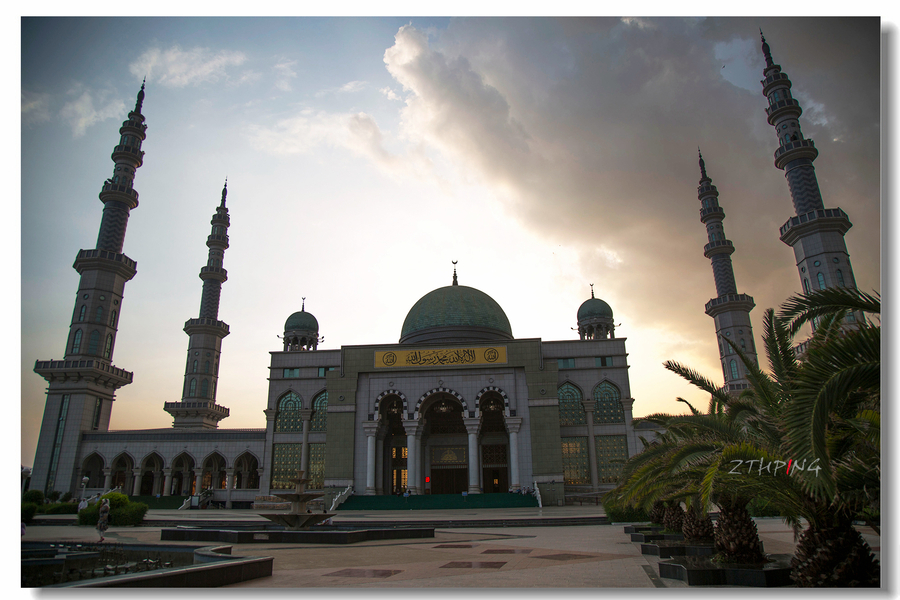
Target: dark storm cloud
{"type": "Point", "coordinates": [594, 125]}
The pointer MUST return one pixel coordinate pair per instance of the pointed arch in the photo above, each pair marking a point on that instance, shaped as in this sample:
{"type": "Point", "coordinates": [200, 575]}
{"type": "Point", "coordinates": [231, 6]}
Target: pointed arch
{"type": "Point", "coordinates": [497, 391]}
{"type": "Point", "coordinates": [609, 405]}
{"type": "Point", "coordinates": [387, 393]}
{"type": "Point", "coordinates": [442, 390]}
{"type": "Point", "coordinates": [246, 471]}
{"type": "Point", "coordinates": [213, 471]}
{"type": "Point", "coordinates": [319, 421]}
{"type": "Point", "coordinates": [94, 342]}
{"type": "Point", "coordinates": [92, 468]}
{"type": "Point", "coordinates": [76, 342]}
{"type": "Point", "coordinates": [287, 416]}
{"type": "Point", "coordinates": [571, 410]}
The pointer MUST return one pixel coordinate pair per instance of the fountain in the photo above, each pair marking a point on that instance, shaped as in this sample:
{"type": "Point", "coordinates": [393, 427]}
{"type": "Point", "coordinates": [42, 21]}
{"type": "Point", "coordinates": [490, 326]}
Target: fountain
{"type": "Point", "coordinates": [299, 518]}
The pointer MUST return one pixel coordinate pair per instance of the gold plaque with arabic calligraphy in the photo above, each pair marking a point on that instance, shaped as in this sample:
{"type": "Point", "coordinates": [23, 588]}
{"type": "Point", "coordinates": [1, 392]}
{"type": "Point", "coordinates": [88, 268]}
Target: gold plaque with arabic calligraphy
{"type": "Point", "coordinates": [438, 357]}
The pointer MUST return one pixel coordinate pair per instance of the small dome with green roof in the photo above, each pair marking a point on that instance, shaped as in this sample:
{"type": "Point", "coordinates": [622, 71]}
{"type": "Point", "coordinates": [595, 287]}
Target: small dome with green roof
{"type": "Point", "coordinates": [595, 319]}
{"type": "Point", "coordinates": [301, 330]}
{"type": "Point", "coordinates": [455, 313]}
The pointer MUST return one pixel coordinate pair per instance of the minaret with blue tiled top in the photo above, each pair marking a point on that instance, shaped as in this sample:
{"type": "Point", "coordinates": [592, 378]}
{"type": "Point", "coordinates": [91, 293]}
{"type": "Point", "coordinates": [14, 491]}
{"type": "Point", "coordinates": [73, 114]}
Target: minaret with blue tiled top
{"type": "Point", "coordinates": [198, 406]}
{"type": "Point", "coordinates": [816, 233]}
{"type": "Point", "coordinates": [730, 310]}
{"type": "Point", "coordinates": [81, 387]}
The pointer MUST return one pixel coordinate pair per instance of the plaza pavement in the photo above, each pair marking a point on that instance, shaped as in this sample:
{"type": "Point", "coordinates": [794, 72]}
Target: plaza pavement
{"type": "Point", "coordinates": [585, 556]}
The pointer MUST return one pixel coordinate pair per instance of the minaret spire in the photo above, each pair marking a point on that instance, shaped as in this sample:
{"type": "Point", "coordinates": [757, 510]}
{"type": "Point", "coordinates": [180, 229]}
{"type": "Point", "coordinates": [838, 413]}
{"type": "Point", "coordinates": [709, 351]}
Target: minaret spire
{"type": "Point", "coordinates": [82, 387]}
{"type": "Point", "coordinates": [816, 234]}
{"type": "Point", "coordinates": [198, 406]}
{"type": "Point", "coordinates": [454, 272]}
{"type": "Point", "coordinates": [730, 310]}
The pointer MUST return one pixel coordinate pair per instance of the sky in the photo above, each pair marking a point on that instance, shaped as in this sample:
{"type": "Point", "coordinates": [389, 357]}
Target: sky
{"type": "Point", "coordinates": [363, 155]}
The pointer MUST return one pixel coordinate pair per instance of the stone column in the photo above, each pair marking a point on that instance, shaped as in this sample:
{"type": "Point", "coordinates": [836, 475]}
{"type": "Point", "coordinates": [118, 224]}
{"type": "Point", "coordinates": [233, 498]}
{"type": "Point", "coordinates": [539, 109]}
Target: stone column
{"type": "Point", "coordinates": [379, 465]}
{"type": "Point", "coordinates": [107, 479]}
{"type": "Point", "coordinates": [472, 426]}
{"type": "Point", "coordinates": [229, 483]}
{"type": "Point", "coordinates": [136, 483]}
{"type": "Point", "coordinates": [634, 446]}
{"type": "Point", "coordinates": [589, 406]}
{"type": "Point", "coordinates": [371, 430]}
{"type": "Point", "coordinates": [513, 424]}
{"type": "Point", "coordinates": [198, 482]}
{"type": "Point", "coordinates": [186, 482]}
{"type": "Point", "coordinates": [167, 482]}
{"type": "Point", "coordinates": [412, 454]}
{"type": "Point", "coordinates": [306, 415]}
{"type": "Point", "coordinates": [245, 480]}
{"type": "Point", "coordinates": [155, 488]}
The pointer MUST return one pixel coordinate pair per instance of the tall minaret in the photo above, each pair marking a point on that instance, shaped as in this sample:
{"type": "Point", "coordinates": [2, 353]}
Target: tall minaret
{"type": "Point", "coordinates": [817, 233]}
{"type": "Point", "coordinates": [82, 386]}
{"type": "Point", "coordinates": [198, 406]}
{"type": "Point", "coordinates": [729, 310]}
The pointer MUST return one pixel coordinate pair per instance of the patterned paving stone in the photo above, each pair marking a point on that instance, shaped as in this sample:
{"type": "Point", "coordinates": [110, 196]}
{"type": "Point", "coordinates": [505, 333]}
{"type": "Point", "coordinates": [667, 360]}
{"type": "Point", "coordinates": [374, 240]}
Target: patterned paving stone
{"type": "Point", "coordinates": [564, 556]}
{"type": "Point", "coordinates": [473, 565]}
{"type": "Point", "coordinates": [363, 573]}
{"type": "Point", "coordinates": [507, 551]}
{"type": "Point", "coordinates": [456, 546]}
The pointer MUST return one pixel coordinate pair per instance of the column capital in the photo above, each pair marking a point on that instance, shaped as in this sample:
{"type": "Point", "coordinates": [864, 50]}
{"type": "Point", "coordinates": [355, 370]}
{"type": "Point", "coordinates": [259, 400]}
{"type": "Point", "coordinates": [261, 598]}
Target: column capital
{"type": "Point", "coordinates": [167, 471]}
{"type": "Point", "coordinates": [306, 413]}
{"type": "Point", "coordinates": [472, 425]}
{"type": "Point", "coordinates": [229, 471]}
{"type": "Point", "coordinates": [627, 403]}
{"type": "Point", "coordinates": [413, 427]}
{"type": "Point", "coordinates": [371, 428]}
{"type": "Point", "coordinates": [589, 405]}
{"type": "Point", "coordinates": [270, 413]}
{"type": "Point", "coordinates": [513, 424]}
{"type": "Point", "coordinates": [137, 471]}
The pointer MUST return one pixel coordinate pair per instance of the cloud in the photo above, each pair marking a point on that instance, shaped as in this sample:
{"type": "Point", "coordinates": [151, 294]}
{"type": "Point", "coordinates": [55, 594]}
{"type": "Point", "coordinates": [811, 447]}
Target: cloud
{"type": "Point", "coordinates": [389, 93]}
{"type": "Point", "coordinates": [35, 107]}
{"type": "Point", "coordinates": [174, 67]}
{"type": "Point", "coordinates": [353, 86]}
{"type": "Point", "coordinates": [284, 72]}
{"type": "Point", "coordinates": [84, 109]}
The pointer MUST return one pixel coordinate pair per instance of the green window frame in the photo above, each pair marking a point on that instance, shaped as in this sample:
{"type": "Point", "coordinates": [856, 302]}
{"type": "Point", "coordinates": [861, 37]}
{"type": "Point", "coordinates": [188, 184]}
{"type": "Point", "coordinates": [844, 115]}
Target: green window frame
{"type": "Point", "coordinates": [285, 464]}
{"type": "Point", "coordinates": [288, 419]}
{"type": "Point", "coordinates": [576, 463]}
{"type": "Point", "coordinates": [319, 421]}
{"type": "Point", "coordinates": [571, 410]}
{"type": "Point", "coordinates": [612, 452]}
{"type": "Point", "coordinates": [608, 409]}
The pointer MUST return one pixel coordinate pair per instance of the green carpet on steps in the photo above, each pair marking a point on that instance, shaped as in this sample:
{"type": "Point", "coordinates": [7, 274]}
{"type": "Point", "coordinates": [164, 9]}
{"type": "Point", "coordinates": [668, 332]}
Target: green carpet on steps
{"type": "Point", "coordinates": [438, 502]}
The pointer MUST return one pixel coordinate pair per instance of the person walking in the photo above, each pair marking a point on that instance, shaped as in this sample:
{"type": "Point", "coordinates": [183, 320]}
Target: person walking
{"type": "Point", "coordinates": [103, 521]}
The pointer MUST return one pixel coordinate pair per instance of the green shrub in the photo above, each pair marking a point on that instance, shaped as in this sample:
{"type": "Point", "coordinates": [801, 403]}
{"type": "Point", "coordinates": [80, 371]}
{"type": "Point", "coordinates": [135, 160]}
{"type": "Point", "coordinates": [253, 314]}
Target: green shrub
{"type": "Point", "coordinates": [28, 510]}
{"type": "Point", "coordinates": [34, 496]}
{"type": "Point", "coordinates": [89, 515]}
{"type": "Point", "coordinates": [66, 497]}
{"type": "Point", "coordinates": [130, 514]}
{"type": "Point", "coordinates": [53, 496]}
{"type": "Point", "coordinates": [116, 500]}
{"type": "Point", "coordinates": [626, 514]}
{"type": "Point", "coordinates": [60, 508]}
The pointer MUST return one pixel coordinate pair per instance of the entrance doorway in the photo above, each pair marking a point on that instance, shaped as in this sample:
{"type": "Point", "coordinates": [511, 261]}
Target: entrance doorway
{"type": "Point", "coordinates": [449, 480]}
{"type": "Point", "coordinates": [495, 480]}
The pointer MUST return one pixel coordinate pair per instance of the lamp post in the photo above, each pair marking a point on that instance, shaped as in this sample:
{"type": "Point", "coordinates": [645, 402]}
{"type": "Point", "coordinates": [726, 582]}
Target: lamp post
{"type": "Point", "coordinates": [84, 482]}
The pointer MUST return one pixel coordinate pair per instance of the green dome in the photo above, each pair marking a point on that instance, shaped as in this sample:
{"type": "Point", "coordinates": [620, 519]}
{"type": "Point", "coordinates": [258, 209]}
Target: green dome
{"type": "Point", "coordinates": [456, 307]}
{"type": "Point", "coordinates": [593, 308]}
{"type": "Point", "coordinates": [301, 321]}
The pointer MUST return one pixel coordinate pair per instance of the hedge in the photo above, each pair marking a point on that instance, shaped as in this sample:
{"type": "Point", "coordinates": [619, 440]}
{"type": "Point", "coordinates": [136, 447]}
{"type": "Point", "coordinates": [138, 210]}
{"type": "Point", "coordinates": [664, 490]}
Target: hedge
{"type": "Point", "coordinates": [33, 496]}
{"type": "Point", "coordinates": [59, 508]}
{"type": "Point", "coordinates": [122, 512]}
{"type": "Point", "coordinates": [28, 510]}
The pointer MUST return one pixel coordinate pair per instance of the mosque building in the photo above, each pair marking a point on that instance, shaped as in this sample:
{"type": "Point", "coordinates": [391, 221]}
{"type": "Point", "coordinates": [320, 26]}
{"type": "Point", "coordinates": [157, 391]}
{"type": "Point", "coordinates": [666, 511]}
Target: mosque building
{"type": "Point", "coordinates": [457, 405]}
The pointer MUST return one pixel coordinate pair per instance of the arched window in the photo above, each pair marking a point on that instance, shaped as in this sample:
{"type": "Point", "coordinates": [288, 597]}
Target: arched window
{"type": "Point", "coordinates": [734, 369]}
{"type": "Point", "coordinates": [204, 388]}
{"type": "Point", "coordinates": [609, 409]}
{"type": "Point", "coordinates": [81, 312]}
{"type": "Point", "coordinates": [76, 343]}
{"type": "Point", "coordinates": [193, 389]}
{"type": "Point", "coordinates": [571, 411]}
{"type": "Point", "coordinates": [805, 285]}
{"type": "Point", "coordinates": [206, 367]}
{"type": "Point", "coordinates": [840, 278]}
{"type": "Point", "coordinates": [194, 370]}
{"type": "Point", "coordinates": [107, 352]}
{"type": "Point", "coordinates": [94, 342]}
{"type": "Point", "coordinates": [821, 279]}
{"type": "Point", "coordinates": [320, 416]}
{"type": "Point", "coordinates": [743, 345]}
{"type": "Point", "coordinates": [112, 318]}
{"type": "Point", "coordinates": [288, 416]}
{"type": "Point", "coordinates": [99, 317]}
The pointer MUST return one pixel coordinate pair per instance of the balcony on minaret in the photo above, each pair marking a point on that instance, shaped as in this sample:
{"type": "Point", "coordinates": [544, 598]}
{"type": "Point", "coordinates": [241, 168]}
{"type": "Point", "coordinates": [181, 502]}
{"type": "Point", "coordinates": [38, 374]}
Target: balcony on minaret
{"type": "Point", "coordinates": [718, 247]}
{"type": "Point", "coordinates": [776, 109]}
{"type": "Point", "coordinates": [728, 302]}
{"type": "Point", "coordinates": [204, 325]}
{"type": "Point", "coordinates": [96, 371]}
{"type": "Point", "coordinates": [217, 273]}
{"type": "Point", "coordinates": [823, 219]}
{"type": "Point", "coordinates": [771, 79]}
{"type": "Point", "coordinates": [705, 213]}
{"type": "Point", "coordinates": [217, 239]}
{"type": "Point", "coordinates": [204, 414]}
{"type": "Point", "coordinates": [104, 260]}
{"type": "Point", "coordinates": [120, 192]}
{"type": "Point", "coordinates": [794, 150]}
{"type": "Point", "coordinates": [132, 152]}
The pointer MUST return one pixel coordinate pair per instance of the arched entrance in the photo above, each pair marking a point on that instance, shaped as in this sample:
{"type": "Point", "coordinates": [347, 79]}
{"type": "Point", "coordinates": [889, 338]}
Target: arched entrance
{"type": "Point", "coordinates": [445, 442]}
{"type": "Point", "coordinates": [395, 471]}
{"type": "Point", "coordinates": [494, 445]}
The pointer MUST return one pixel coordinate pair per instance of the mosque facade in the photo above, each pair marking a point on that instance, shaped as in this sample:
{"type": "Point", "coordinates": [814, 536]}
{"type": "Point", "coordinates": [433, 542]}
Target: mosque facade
{"type": "Point", "coordinates": [457, 405]}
